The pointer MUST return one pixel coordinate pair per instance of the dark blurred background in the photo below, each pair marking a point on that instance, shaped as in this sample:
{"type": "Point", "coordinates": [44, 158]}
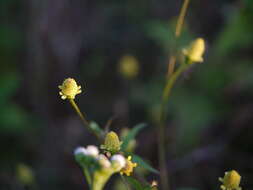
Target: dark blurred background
{"type": "Point", "coordinates": [210, 119]}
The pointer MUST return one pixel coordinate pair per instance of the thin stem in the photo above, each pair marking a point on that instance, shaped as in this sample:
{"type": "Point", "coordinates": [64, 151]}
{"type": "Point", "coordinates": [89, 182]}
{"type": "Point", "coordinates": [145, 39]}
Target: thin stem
{"type": "Point", "coordinates": [171, 81]}
{"type": "Point", "coordinates": [81, 115]}
{"type": "Point", "coordinates": [180, 20]}
{"type": "Point", "coordinates": [87, 176]}
{"type": "Point", "coordinates": [166, 93]}
{"type": "Point", "coordinates": [178, 31]}
{"type": "Point", "coordinates": [172, 62]}
{"type": "Point", "coordinates": [161, 133]}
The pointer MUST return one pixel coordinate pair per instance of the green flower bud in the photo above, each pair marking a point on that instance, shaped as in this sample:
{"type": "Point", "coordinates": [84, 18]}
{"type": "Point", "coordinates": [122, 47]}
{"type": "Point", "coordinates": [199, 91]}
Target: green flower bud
{"type": "Point", "coordinates": [112, 143]}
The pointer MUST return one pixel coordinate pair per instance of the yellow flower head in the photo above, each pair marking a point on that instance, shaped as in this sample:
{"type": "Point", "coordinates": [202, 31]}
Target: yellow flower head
{"type": "Point", "coordinates": [25, 174]}
{"type": "Point", "coordinates": [128, 66]}
{"type": "Point", "coordinates": [195, 51]}
{"type": "Point", "coordinates": [154, 185]}
{"type": "Point", "coordinates": [129, 167]}
{"type": "Point", "coordinates": [69, 89]}
{"type": "Point", "coordinates": [112, 143]}
{"type": "Point", "coordinates": [231, 181]}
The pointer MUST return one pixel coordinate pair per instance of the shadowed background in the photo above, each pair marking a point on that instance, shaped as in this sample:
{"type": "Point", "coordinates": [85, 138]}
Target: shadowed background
{"type": "Point", "coordinates": [209, 126]}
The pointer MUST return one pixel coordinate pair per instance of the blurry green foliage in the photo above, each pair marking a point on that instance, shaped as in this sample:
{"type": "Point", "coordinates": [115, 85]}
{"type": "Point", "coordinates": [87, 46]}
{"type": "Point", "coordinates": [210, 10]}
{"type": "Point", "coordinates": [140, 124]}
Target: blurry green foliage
{"type": "Point", "coordinates": [193, 112]}
{"type": "Point", "coordinates": [13, 118]}
{"type": "Point", "coordinates": [132, 134]}
{"type": "Point", "coordinates": [143, 164]}
{"type": "Point", "coordinates": [237, 34]}
{"type": "Point", "coordinates": [163, 33]}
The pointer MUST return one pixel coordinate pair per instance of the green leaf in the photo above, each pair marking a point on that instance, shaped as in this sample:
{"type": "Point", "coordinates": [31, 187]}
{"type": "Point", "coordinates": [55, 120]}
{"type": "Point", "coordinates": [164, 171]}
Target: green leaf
{"type": "Point", "coordinates": [134, 183]}
{"type": "Point", "coordinates": [143, 163]}
{"type": "Point", "coordinates": [9, 83]}
{"type": "Point", "coordinates": [131, 135]}
{"type": "Point", "coordinates": [95, 127]}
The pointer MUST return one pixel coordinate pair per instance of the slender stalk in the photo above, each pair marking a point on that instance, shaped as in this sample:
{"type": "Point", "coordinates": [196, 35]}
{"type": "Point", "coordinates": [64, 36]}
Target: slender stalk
{"type": "Point", "coordinates": [178, 31]}
{"type": "Point", "coordinates": [87, 176]}
{"type": "Point", "coordinates": [81, 115]}
{"type": "Point", "coordinates": [180, 20]}
{"type": "Point", "coordinates": [171, 76]}
{"type": "Point", "coordinates": [161, 132]}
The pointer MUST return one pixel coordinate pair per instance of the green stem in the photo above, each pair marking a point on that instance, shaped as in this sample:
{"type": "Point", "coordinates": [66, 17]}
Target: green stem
{"type": "Point", "coordinates": [87, 176]}
{"type": "Point", "coordinates": [81, 115]}
{"type": "Point", "coordinates": [99, 179]}
{"type": "Point", "coordinates": [161, 132]}
{"type": "Point", "coordinates": [180, 20]}
{"type": "Point", "coordinates": [178, 31]}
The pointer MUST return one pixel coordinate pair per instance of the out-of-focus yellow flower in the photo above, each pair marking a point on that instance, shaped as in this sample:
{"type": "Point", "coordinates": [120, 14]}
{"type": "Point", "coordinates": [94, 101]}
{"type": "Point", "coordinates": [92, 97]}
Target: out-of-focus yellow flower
{"type": "Point", "coordinates": [195, 51]}
{"type": "Point", "coordinates": [128, 66]}
{"type": "Point", "coordinates": [112, 143]}
{"type": "Point", "coordinates": [154, 185]}
{"type": "Point", "coordinates": [129, 167]}
{"type": "Point", "coordinates": [231, 181]}
{"type": "Point", "coordinates": [69, 89]}
{"type": "Point", "coordinates": [25, 174]}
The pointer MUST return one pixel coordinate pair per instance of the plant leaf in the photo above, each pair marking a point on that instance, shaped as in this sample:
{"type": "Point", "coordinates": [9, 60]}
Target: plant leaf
{"type": "Point", "coordinates": [131, 135]}
{"type": "Point", "coordinates": [134, 183]}
{"type": "Point", "coordinates": [143, 164]}
{"type": "Point", "coordinates": [95, 127]}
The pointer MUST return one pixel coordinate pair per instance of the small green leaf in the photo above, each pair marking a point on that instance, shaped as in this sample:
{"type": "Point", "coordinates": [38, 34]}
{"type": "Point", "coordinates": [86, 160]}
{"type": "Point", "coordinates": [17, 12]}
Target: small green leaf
{"type": "Point", "coordinates": [143, 163]}
{"type": "Point", "coordinates": [131, 135]}
{"type": "Point", "coordinates": [95, 127]}
{"type": "Point", "coordinates": [134, 183]}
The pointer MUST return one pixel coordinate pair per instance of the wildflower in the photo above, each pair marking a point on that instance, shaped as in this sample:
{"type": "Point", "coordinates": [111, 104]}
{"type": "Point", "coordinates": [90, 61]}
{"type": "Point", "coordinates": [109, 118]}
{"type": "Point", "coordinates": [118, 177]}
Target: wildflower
{"type": "Point", "coordinates": [195, 51]}
{"type": "Point", "coordinates": [154, 185]}
{"type": "Point", "coordinates": [69, 89]}
{"type": "Point", "coordinates": [80, 150]}
{"type": "Point", "coordinates": [112, 143]}
{"type": "Point", "coordinates": [103, 161]}
{"type": "Point", "coordinates": [118, 161]}
{"type": "Point", "coordinates": [128, 169]}
{"type": "Point", "coordinates": [92, 150]}
{"type": "Point", "coordinates": [128, 66]}
{"type": "Point", "coordinates": [231, 181]}
{"type": "Point", "coordinates": [25, 174]}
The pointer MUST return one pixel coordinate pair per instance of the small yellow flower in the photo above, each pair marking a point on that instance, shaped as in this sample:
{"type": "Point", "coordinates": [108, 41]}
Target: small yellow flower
{"type": "Point", "coordinates": [231, 181]}
{"type": "Point", "coordinates": [112, 143]}
{"type": "Point", "coordinates": [69, 89]}
{"type": "Point", "coordinates": [25, 174]}
{"type": "Point", "coordinates": [195, 51]}
{"type": "Point", "coordinates": [154, 185]}
{"type": "Point", "coordinates": [128, 66]}
{"type": "Point", "coordinates": [129, 167]}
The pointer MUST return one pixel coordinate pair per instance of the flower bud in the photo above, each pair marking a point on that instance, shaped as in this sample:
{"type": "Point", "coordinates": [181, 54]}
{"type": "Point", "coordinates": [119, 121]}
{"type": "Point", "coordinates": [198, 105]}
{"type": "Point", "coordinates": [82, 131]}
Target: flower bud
{"type": "Point", "coordinates": [128, 67]}
{"type": "Point", "coordinates": [80, 150]}
{"type": "Point", "coordinates": [112, 143]}
{"type": "Point", "coordinates": [69, 89]}
{"type": "Point", "coordinates": [118, 161]}
{"type": "Point", "coordinates": [231, 181]}
{"type": "Point", "coordinates": [92, 150]}
{"type": "Point", "coordinates": [195, 51]}
{"type": "Point", "coordinates": [103, 161]}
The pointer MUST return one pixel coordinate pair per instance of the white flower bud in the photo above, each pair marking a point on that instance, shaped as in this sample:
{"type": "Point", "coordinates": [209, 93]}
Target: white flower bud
{"type": "Point", "coordinates": [103, 161]}
{"type": "Point", "coordinates": [119, 159]}
{"type": "Point", "coordinates": [80, 150]}
{"type": "Point", "coordinates": [92, 150]}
